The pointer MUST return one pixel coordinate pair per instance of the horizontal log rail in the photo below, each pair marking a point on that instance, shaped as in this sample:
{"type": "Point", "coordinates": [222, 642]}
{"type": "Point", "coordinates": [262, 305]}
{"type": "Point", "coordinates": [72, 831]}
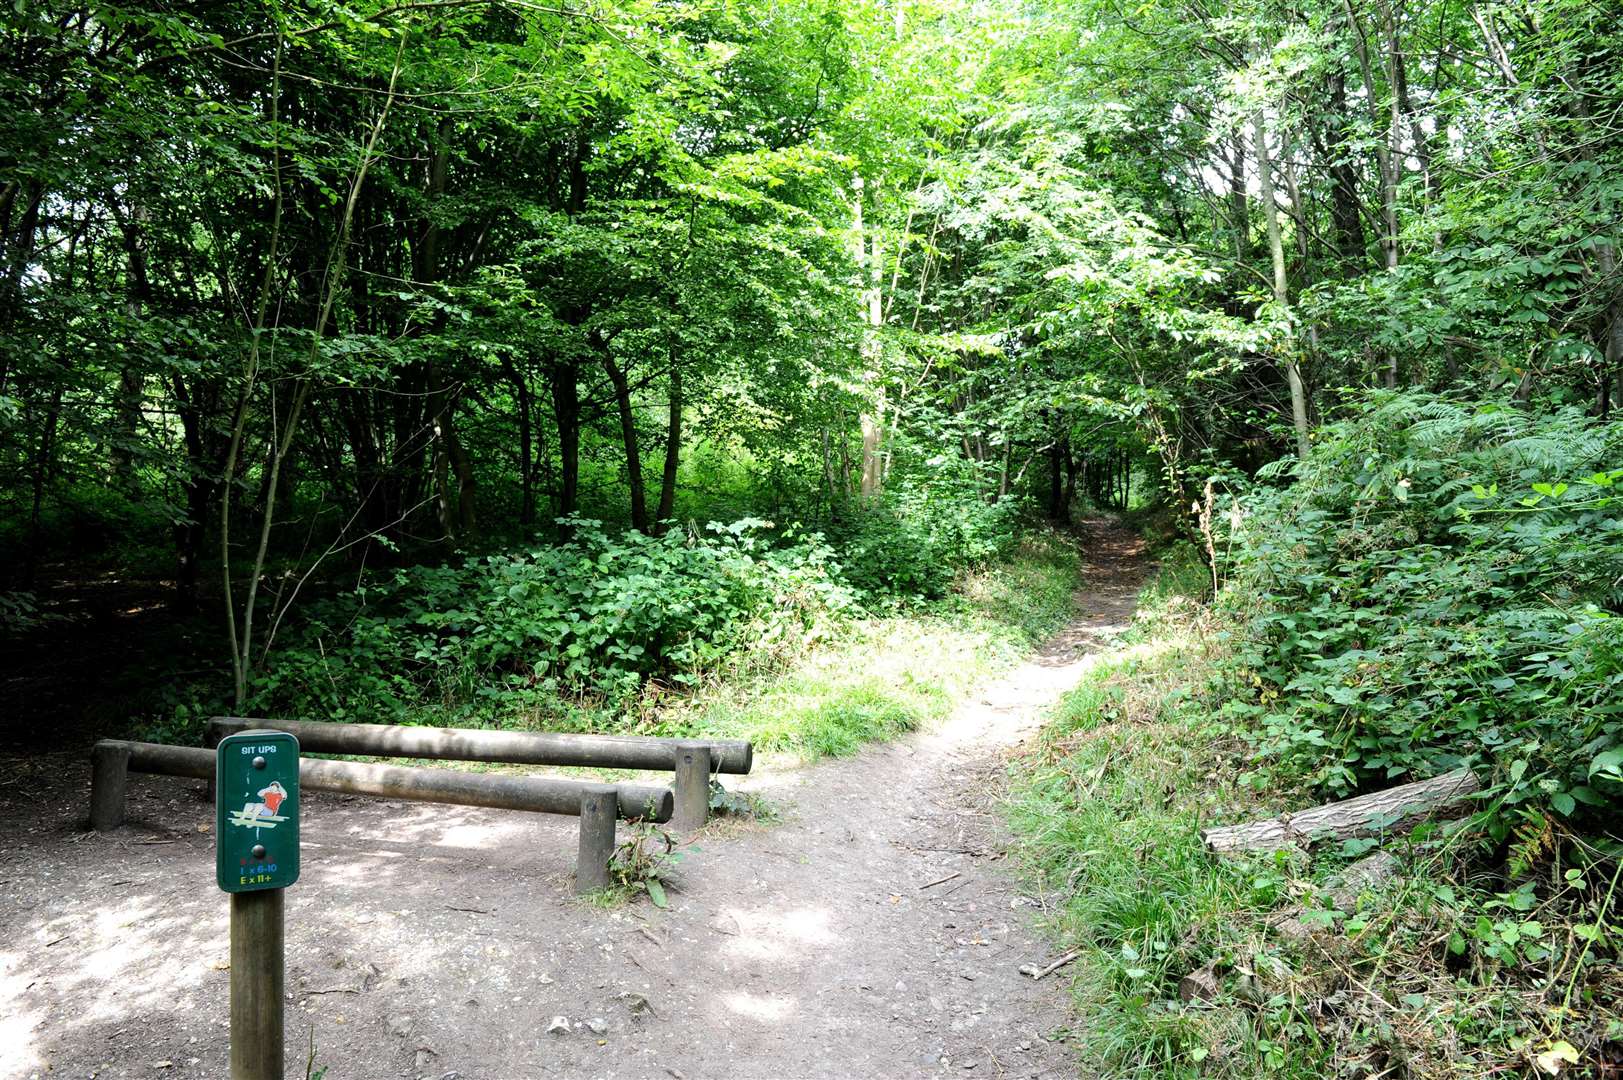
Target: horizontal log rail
{"type": "Point", "coordinates": [537, 794]}
{"type": "Point", "coordinates": [733, 756]}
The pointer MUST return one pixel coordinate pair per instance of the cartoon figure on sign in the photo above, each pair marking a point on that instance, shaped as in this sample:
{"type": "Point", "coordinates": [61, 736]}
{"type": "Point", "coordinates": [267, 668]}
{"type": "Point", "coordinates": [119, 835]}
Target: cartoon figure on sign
{"type": "Point", "coordinates": [273, 796]}
{"type": "Point", "coordinates": [262, 814]}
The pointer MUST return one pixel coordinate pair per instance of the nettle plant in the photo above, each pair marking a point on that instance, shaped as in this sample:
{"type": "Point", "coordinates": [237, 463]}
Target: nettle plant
{"type": "Point", "coordinates": [1439, 587]}
{"type": "Point", "coordinates": [595, 618]}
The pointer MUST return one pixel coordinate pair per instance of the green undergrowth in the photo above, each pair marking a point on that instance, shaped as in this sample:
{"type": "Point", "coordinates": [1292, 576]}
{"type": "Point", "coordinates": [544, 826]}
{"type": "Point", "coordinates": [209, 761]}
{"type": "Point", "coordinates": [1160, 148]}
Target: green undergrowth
{"type": "Point", "coordinates": [881, 677]}
{"type": "Point", "coordinates": [1461, 964]}
{"type": "Point", "coordinates": [843, 679]}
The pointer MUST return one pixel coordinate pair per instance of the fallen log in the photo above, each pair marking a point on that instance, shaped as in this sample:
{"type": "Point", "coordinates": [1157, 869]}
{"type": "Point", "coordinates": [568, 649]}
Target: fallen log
{"type": "Point", "coordinates": [1394, 809]}
{"type": "Point", "coordinates": [1341, 892]}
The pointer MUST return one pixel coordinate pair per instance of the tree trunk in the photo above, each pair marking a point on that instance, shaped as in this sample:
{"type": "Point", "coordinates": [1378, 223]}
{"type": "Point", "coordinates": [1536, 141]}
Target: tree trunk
{"type": "Point", "coordinates": [1057, 454]}
{"type": "Point", "coordinates": [1387, 164]}
{"type": "Point", "coordinates": [1344, 201]}
{"type": "Point", "coordinates": [1240, 221]}
{"type": "Point", "coordinates": [565, 380]}
{"type": "Point", "coordinates": [526, 450]}
{"type": "Point", "coordinates": [194, 405]}
{"type": "Point", "coordinates": [871, 294]}
{"type": "Point", "coordinates": [1276, 253]}
{"type": "Point", "coordinates": [466, 482]}
{"type": "Point", "coordinates": [42, 470]}
{"type": "Point", "coordinates": [1071, 463]}
{"type": "Point", "coordinates": [673, 450]}
{"type": "Point", "coordinates": [628, 434]}
{"type": "Point", "coordinates": [1612, 364]}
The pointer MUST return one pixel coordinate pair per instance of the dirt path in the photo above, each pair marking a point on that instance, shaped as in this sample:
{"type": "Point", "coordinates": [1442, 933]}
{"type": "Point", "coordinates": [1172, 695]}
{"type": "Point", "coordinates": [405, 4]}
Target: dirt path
{"type": "Point", "coordinates": [873, 932]}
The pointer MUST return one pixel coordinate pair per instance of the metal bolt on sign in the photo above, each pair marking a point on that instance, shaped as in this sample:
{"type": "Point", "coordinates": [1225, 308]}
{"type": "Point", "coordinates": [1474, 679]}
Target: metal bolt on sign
{"type": "Point", "coordinates": [256, 829]}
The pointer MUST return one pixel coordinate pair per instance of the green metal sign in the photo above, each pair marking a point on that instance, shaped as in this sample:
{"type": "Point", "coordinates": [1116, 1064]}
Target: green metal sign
{"type": "Point", "coordinates": [256, 811]}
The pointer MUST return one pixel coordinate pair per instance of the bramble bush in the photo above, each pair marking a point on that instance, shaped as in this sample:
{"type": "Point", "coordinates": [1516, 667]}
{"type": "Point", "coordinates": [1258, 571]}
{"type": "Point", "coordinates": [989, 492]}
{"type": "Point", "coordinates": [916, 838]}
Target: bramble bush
{"type": "Point", "coordinates": [931, 524]}
{"type": "Point", "coordinates": [591, 619]}
{"type": "Point", "coordinates": [1440, 586]}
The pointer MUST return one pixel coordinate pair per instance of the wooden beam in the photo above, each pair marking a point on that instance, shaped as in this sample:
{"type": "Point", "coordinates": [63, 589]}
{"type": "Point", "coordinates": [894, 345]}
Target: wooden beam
{"type": "Point", "coordinates": [536, 794]}
{"type": "Point", "coordinates": [733, 756]}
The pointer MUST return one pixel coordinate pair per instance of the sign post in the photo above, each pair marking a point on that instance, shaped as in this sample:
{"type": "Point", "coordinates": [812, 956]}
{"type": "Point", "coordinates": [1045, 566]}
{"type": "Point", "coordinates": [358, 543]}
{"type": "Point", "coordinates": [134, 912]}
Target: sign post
{"type": "Point", "coordinates": [256, 828]}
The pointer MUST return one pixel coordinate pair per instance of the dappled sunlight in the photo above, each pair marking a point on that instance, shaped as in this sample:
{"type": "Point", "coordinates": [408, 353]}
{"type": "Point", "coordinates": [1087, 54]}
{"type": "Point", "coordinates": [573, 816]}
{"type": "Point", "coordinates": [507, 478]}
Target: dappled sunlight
{"type": "Point", "coordinates": [118, 962]}
{"type": "Point", "coordinates": [778, 935]}
{"type": "Point", "coordinates": [17, 1024]}
{"type": "Point", "coordinates": [768, 1010]}
{"type": "Point", "coordinates": [391, 828]}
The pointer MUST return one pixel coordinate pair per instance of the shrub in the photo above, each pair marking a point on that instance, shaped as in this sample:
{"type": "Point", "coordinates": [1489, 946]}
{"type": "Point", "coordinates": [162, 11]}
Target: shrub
{"type": "Point", "coordinates": [595, 618]}
{"type": "Point", "coordinates": [928, 527]}
{"type": "Point", "coordinates": [1438, 587]}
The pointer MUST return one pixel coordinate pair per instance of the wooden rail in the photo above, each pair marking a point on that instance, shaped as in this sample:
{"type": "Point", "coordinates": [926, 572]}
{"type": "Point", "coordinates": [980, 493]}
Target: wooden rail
{"type": "Point", "coordinates": [692, 762]}
{"type": "Point", "coordinates": [112, 760]}
{"type": "Point", "coordinates": [732, 756]}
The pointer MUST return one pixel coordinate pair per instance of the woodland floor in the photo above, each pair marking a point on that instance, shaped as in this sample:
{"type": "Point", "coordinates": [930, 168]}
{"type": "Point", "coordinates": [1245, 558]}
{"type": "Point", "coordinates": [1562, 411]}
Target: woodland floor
{"type": "Point", "coordinates": [872, 931]}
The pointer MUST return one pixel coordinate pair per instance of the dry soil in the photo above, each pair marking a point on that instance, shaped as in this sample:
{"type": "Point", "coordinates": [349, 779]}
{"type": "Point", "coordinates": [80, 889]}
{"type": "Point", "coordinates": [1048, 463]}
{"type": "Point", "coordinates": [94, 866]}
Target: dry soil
{"type": "Point", "coordinates": [874, 930]}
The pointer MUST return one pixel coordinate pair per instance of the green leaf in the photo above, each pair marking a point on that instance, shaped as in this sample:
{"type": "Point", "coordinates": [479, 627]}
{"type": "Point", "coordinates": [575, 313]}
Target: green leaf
{"type": "Point", "coordinates": [656, 893]}
{"type": "Point", "coordinates": [1609, 764]}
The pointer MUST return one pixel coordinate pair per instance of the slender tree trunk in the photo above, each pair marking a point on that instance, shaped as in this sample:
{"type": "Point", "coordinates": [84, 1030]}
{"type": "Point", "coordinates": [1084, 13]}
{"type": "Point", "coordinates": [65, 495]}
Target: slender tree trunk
{"type": "Point", "coordinates": [871, 420]}
{"type": "Point", "coordinates": [673, 450]}
{"type": "Point", "coordinates": [127, 400]}
{"type": "Point", "coordinates": [1070, 475]}
{"type": "Point", "coordinates": [565, 380]}
{"type": "Point", "coordinates": [193, 405]}
{"type": "Point", "coordinates": [1611, 371]}
{"type": "Point", "coordinates": [42, 471]}
{"type": "Point", "coordinates": [1388, 163]}
{"type": "Point", "coordinates": [1239, 219]}
{"type": "Point", "coordinates": [628, 434]}
{"type": "Point", "coordinates": [1276, 253]}
{"type": "Point", "coordinates": [526, 448]}
{"type": "Point", "coordinates": [467, 524]}
{"type": "Point", "coordinates": [1057, 511]}
{"type": "Point", "coordinates": [828, 470]}
{"type": "Point", "coordinates": [1344, 201]}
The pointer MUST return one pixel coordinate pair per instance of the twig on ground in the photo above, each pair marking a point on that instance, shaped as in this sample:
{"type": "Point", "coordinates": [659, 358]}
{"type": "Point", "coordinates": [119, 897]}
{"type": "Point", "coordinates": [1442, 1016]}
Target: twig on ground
{"type": "Point", "coordinates": [940, 880]}
{"type": "Point", "coordinates": [1036, 973]}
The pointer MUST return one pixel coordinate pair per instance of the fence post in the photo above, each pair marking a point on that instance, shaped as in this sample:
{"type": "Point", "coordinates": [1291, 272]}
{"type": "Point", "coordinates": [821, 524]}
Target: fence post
{"type": "Point", "coordinates": [599, 809]}
{"type": "Point", "coordinates": [211, 739]}
{"type": "Point", "coordinates": [256, 985]}
{"type": "Point", "coordinates": [109, 781]}
{"type": "Point", "coordinates": [692, 787]}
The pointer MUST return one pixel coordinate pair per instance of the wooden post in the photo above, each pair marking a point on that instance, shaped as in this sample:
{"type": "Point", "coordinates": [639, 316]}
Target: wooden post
{"type": "Point", "coordinates": [256, 985]}
{"type": "Point", "coordinates": [211, 739]}
{"type": "Point", "coordinates": [692, 787]}
{"type": "Point", "coordinates": [599, 809]}
{"type": "Point", "coordinates": [109, 780]}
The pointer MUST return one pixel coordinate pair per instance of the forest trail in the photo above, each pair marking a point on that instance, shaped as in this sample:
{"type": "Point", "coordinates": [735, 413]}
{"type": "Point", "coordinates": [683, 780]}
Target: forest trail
{"type": "Point", "coordinates": [872, 932]}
